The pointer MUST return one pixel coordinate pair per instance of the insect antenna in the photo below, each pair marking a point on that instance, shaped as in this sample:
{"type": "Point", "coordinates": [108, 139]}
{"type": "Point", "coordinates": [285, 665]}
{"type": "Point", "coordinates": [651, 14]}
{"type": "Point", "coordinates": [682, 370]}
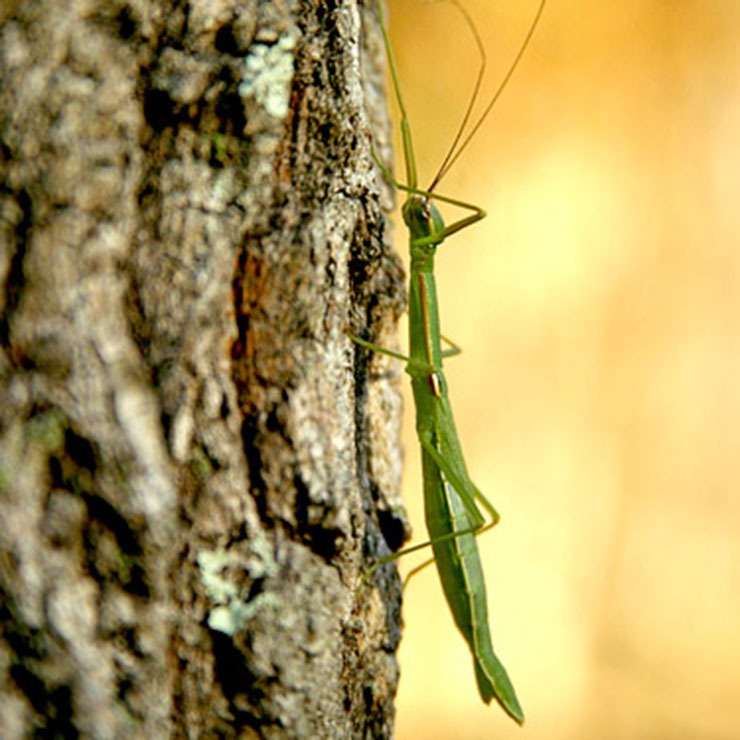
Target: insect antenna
{"type": "Point", "coordinates": [458, 148]}
{"type": "Point", "coordinates": [474, 96]}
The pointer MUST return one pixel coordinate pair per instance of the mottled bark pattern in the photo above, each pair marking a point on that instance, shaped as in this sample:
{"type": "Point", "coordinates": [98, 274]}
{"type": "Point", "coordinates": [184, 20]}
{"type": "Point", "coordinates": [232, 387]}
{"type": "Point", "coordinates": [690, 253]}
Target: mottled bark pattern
{"type": "Point", "coordinates": [195, 465]}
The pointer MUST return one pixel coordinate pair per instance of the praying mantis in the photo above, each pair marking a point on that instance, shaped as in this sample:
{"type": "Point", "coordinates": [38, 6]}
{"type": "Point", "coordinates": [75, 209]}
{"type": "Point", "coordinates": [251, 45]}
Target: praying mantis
{"type": "Point", "coordinates": [451, 499]}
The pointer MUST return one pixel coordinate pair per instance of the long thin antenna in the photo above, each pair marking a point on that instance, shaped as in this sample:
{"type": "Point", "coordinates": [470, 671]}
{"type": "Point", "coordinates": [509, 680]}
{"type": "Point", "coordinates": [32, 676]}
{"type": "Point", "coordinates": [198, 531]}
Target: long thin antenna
{"type": "Point", "coordinates": [473, 97]}
{"type": "Point", "coordinates": [450, 159]}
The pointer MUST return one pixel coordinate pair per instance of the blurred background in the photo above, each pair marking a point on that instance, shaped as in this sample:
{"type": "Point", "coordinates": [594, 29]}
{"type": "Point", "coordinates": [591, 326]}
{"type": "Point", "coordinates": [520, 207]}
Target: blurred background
{"type": "Point", "coordinates": [597, 396]}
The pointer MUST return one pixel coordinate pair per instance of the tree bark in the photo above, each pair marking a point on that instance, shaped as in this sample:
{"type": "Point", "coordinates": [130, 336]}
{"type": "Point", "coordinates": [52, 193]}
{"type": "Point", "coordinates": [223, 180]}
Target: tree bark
{"type": "Point", "coordinates": [196, 467]}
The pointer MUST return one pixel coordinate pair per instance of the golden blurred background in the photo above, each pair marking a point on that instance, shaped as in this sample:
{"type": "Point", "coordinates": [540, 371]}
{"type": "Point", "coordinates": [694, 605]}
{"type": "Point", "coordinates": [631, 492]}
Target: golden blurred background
{"type": "Point", "coordinates": [597, 397]}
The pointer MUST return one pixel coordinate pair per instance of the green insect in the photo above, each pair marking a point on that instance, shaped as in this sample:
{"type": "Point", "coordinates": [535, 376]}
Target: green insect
{"type": "Point", "coordinates": [452, 515]}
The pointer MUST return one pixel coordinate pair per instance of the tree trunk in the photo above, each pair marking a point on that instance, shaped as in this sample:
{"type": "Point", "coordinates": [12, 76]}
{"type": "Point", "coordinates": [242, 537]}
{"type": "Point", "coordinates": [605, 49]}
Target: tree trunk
{"type": "Point", "coordinates": [195, 467]}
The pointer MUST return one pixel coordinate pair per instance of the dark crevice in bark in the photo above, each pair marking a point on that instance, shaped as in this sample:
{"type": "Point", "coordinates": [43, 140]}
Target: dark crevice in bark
{"type": "Point", "coordinates": [16, 277]}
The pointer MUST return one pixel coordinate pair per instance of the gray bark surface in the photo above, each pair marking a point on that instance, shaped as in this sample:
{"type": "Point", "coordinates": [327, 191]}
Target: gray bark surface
{"type": "Point", "coordinates": [196, 464]}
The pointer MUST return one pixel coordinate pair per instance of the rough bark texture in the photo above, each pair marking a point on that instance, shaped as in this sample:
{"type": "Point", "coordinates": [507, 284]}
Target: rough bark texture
{"type": "Point", "coordinates": [195, 465]}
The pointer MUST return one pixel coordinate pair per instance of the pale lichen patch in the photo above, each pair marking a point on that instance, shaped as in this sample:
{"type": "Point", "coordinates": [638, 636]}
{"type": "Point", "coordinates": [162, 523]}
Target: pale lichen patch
{"type": "Point", "coordinates": [268, 72]}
